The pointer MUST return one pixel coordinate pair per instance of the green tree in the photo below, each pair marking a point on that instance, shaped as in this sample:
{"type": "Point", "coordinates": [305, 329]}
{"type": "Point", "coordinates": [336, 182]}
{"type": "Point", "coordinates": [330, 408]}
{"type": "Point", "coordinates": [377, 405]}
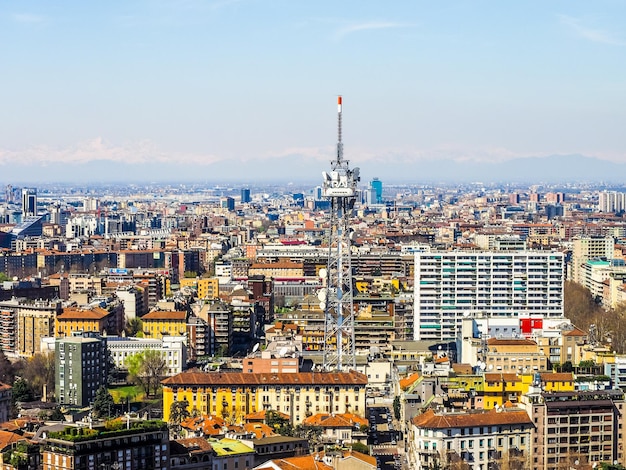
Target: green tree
{"type": "Point", "coordinates": [133, 327]}
{"type": "Point", "coordinates": [22, 391]}
{"type": "Point", "coordinates": [179, 411]}
{"type": "Point", "coordinates": [147, 369]}
{"type": "Point", "coordinates": [396, 407]}
{"type": "Point", "coordinates": [7, 371]}
{"type": "Point", "coordinates": [278, 423]}
{"type": "Point", "coordinates": [360, 447]}
{"type": "Point", "coordinates": [103, 404]}
{"type": "Point", "coordinates": [39, 371]}
{"type": "Point", "coordinates": [57, 415]}
{"type": "Point", "coordinates": [4, 277]}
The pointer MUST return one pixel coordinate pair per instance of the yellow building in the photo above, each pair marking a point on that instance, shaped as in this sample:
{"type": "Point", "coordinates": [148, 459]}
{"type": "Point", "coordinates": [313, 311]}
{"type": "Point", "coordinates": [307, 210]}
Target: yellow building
{"type": "Point", "coordinates": [164, 323]}
{"type": "Point", "coordinates": [207, 288]}
{"type": "Point", "coordinates": [500, 388]}
{"type": "Point", "coordinates": [94, 319]}
{"type": "Point", "coordinates": [232, 395]}
{"type": "Point", "coordinates": [557, 382]}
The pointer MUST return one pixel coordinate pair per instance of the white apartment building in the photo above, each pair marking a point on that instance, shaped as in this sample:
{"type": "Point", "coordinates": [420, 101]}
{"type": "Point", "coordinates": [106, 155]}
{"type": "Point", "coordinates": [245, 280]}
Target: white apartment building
{"type": "Point", "coordinates": [452, 285]}
{"type": "Point", "coordinates": [482, 440]}
{"type": "Point", "coordinates": [172, 348]}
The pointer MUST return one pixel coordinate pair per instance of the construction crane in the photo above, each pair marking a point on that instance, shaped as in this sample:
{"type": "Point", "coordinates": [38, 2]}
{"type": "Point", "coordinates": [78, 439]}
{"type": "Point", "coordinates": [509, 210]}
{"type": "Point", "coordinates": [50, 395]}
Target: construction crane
{"type": "Point", "coordinates": [336, 297]}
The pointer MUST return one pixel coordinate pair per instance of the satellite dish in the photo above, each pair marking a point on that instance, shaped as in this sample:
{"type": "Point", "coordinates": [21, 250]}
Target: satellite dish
{"type": "Point", "coordinates": [282, 351]}
{"type": "Point", "coordinates": [256, 347]}
{"type": "Point", "coordinates": [323, 273]}
{"type": "Point", "coordinates": [490, 366]}
{"type": "Point", "coordinates": [322, 295]}
{"type": "Point", "coordinates": [482, 366]}
{"type": "Point", "coordinates": [323, 305]}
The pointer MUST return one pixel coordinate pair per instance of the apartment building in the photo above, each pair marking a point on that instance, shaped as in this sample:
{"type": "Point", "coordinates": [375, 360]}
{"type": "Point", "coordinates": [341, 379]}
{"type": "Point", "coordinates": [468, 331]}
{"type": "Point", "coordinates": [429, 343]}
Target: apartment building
{"type": "Point", "coordinates": [136, 446]}
{"type": "Point", "coordinates": [577, 428]}
{"type": "Point", "coordinates": [80, 369]}
{"type": "Point", "coordinates": [158, 323]}
{"type": "Point", "coordinates": [35, 320]}
{"type": "Point", "coordinates": [452, 285]}
{"type": "Point", "coordinates": [233, 395]}
{"type": "Point", "coordinates": [478, 439]}
{"type": "Point", "coordinates": [585, 248]}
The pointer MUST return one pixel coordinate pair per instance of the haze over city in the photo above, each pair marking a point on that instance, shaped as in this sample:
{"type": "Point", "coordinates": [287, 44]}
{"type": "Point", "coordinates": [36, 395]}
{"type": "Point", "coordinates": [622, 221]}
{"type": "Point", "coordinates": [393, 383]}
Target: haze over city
{"type": "Point", "coordinates": [241, 90]}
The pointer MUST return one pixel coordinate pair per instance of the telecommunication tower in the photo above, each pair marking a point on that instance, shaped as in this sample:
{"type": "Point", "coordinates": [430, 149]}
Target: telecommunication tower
{"type": "Point", "coordinates": [340, 188]}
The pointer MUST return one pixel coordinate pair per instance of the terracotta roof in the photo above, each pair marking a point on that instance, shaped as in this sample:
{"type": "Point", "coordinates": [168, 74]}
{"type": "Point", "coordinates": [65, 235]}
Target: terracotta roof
{"type": "Point", "coordinates": [557, 377]}
{"type": "Point", "coordinates": [226, 379]}
{"type": "Point", "coordinates": [462, 369]}
{"type": "Point", "coordinates": [408, 381]}
{"type": "Point", "coordinates": [260, 415]}
{"type": "Point", "coordinates": [164, 315]}
{"type": "Point", "coordinates": [208, 425]}
{"type": "Point", "coordinates": [71, 313]}
{"type": "Point", "coordinates": [260, 430]}
{"type": "Point", "coordinates": [306, 462]}
{"type": "Point", "coordinates": [575, 332]}
{"type": "Point", "coordinates": [340, 420]}
{"type": "Point", "coordinates": [431, 420]}
{"type": "Point", "coordinates": [195, 444]}
{"type": "Point", "coordinates": [499, 377]}
{"type": "Point", "coordinates": [511, 342]}
{"type": "Point", "coordinates": [7, 438]}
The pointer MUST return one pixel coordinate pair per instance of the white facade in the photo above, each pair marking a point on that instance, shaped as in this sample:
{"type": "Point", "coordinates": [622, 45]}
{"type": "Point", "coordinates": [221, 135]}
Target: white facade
{"type": "Point", "coordinates": [452, 285]}
{"type": "Point", "coordinates": [172, 348]}
{"type": "Point", "coordinates": [81, 226]}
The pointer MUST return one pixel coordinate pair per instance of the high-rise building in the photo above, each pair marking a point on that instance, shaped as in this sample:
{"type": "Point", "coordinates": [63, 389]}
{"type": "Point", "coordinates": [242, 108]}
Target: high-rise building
{"type": "Point", "coordinates": [227, 203]}
{"type": "Point", "coordinates": [245, 195]}
{"type": "Point", "coordinates": [80, 368]}
{"type": "Point", "coordinates": [586, 248]}
{"type": "Point", "coordinates": [29, 202]}
{"type": "Point", "coordinates": [377, 186]}
{"type": "Point", "coordinates": [452, 285]}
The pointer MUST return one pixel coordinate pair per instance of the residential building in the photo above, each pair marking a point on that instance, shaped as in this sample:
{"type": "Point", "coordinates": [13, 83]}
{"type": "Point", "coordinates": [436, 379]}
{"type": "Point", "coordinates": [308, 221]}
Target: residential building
{"type": "Point", "coordinates": [480, 439]}
{"type": "Point", "coordinates": [585, 248]}
{"type": "Point", "coordinates": [95, 319]}
{"type": "Point", "coordinates": [80, 368]}
{"type": "Point", "coordinates": [35, 320]}
{"type": "Point", "coordinates": [452, 285]}
{"type": "Point", "coordinates": [173, 349]}
{"type": "Point", "coordinates": [159, 323]}
{"type": "Point", "coordinates": [514, 355]}
{"type": "Point", "coordinates": [234, 395]}
{"type": "Point", "coordinates": [135, 446]}
{"type": "Point", "coordinates": [576, 428]}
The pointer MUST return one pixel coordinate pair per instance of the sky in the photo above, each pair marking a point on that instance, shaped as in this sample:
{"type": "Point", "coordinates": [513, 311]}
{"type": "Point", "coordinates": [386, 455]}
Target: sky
{"type": "Point", "coordinates": [248, 83]}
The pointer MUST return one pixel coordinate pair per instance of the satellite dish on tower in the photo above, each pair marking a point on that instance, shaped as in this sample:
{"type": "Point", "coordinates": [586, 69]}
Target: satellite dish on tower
{"type": "Point", "coordinates": [322, 295]}
{"type": "Point", "coordinates": [256, 347]}
{"type": "Point", "coordinates": [322, 273]}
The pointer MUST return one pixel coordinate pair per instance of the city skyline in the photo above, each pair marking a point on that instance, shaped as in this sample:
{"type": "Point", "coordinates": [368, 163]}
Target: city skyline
{"type": "Point", "coordinates": [235, 87]}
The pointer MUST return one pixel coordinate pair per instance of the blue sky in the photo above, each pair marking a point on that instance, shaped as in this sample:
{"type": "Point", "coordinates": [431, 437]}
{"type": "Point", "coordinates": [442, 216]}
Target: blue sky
{"type": "Point", "coordinates": [255, 80]}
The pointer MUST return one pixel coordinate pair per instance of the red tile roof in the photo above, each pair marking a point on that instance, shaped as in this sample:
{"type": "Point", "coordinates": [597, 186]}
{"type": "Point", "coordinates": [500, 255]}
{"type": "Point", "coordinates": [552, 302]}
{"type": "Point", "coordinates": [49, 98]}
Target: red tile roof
{"type": "Point", "coordinates": [164, 315]}
{"type": "Point", "coordinates": [226, 379]}
{"type": "Point", "coordinates": [430, 420]}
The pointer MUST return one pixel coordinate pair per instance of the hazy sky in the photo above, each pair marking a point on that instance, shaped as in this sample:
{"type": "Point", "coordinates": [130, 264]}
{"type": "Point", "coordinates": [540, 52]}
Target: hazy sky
{"type": "Point", "coordinates": [251, 80]}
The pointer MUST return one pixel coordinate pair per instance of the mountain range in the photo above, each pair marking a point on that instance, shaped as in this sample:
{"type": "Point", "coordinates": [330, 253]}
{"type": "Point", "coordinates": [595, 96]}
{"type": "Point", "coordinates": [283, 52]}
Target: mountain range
{"type": "Point", "coordinates": [551, 169]}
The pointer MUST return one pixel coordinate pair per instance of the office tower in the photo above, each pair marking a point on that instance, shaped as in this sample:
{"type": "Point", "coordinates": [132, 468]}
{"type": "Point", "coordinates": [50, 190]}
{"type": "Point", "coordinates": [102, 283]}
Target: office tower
{"type": "Point", "coordinates": [29, 202]}
{"type": "Point", "coordinates": [80, 368]}
{"type": "Point", "coordinates": [377, 186]}
{"type": "Point", "coordinates": [227, 203]}
{"type": "Point", "coordinates": [452, 285]}
{"type": "Point", "coordinates": [245, 195]}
